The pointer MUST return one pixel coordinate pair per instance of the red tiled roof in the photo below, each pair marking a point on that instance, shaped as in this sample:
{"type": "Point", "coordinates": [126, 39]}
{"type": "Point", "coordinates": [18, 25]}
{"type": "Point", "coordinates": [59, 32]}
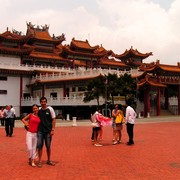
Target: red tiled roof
{"type": "Point", "coordinates": [12, 50]}
{"type": "Point", "coordinates": [89, 54]}
{"type": "Point", "coordinates": [35, 54]}
{"type": "Point", "coordinates": [12, 36]}
{"type": "Point", "coordinates": [150, 81]}
{"type": "Point", "coordinates": [42, 34]}
{"type": "Point", "coordinates": [82, 44]}
{"type": "Point", "coordinates": [133, 53]}
{"type": "Point", "coordinates": [112, 62]}
{"type": "Point", "coordinates": [154, 66]}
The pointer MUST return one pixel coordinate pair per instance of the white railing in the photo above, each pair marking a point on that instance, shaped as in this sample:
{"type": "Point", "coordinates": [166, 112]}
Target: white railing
{"type": "Point", "coordinates": [65, 101]}
{"type": "Point", "coordinates": [173, 104]}
{"type": "Point", "coordinates": [173, 101]}
{"type": "Point", "coordinates": [61, 101]}
{"type": "Point", "coordinates": [26, 67]}
{"type": "Point", "coordinates": [82, 73]}
{"type": "Point", "coordinates": [65, 73]}
{"type": "Point", "coordinates": [173, 109]}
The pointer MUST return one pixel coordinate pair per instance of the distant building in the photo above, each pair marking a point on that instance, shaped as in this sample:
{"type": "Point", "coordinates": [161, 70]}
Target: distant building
{"type": "Point", "coordinates": [37, 64]}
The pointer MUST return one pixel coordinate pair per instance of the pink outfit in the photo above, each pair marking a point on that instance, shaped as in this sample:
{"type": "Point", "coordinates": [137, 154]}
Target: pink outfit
{"type": "Point", "coordinates": [105, 121]}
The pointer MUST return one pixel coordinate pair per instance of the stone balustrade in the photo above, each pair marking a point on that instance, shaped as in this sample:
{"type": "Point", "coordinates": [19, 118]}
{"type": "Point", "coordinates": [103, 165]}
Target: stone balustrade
{"type": "Point", "coordinates": [61, 101]}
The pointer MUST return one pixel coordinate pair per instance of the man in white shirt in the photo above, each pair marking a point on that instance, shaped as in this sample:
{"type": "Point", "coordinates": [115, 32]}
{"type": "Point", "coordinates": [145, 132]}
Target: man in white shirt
{"type": "Point", "coordinates": [130, 121]}
{"type": "Point", "coordinates": [13, 110]}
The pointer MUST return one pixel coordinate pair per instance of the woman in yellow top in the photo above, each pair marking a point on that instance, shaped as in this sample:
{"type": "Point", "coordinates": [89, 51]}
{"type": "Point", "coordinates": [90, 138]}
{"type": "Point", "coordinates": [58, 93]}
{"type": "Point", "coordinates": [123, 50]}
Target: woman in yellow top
{"type": "Point", "coordinates": [118, 117]}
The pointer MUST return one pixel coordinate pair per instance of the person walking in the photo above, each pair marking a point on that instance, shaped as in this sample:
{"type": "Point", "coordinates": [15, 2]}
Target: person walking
{"type": "Point", "coordinates": [9, 120]}
{"type": "Point", "coordinates": [31, 122]}
{"type": "Point", "coordinates": [46, 130]}
{"type": "Point", "coordinates": [130, 121]}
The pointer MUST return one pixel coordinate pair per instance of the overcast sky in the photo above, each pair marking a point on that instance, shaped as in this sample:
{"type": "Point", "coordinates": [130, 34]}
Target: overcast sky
{"type": "Point", "coordinates": [146, 25]}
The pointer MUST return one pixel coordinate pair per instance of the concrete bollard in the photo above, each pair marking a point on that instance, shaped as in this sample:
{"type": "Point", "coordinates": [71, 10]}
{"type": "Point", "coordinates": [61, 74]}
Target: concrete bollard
{"type": "Point", "coordinates": [67, 117]}
{"type": "Point", "coordinates": [74, 121]}
{"type": "Point", "coordinates": [148, 115]}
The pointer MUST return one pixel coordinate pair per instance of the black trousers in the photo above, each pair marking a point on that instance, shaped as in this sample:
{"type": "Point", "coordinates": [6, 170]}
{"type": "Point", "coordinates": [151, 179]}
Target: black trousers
{"type": "Point", "coordinates": [2, 121]}
{"type": "Point", "coordinates": [9, 123]}
{"type": "Point", "coordinates": [130, 131]}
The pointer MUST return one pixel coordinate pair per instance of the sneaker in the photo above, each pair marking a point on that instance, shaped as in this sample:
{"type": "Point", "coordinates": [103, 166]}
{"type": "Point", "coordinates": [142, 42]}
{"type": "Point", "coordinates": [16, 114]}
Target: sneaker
{"type": "Point", "coordinates": [115, 142]}
{"type": "Point", "coordinates": [118, 142]}
{"type": "Point", "coordinates": [98, 145]}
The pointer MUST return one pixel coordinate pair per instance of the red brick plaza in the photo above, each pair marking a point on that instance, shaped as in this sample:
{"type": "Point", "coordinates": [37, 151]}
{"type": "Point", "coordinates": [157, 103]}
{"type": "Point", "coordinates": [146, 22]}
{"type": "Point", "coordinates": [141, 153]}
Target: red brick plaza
{"type": "Point", "coordinates": [155, 155]}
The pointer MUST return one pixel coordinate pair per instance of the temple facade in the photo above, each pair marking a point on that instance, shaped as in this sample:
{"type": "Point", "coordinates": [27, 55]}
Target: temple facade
{"type": "Point", "coordinates": [38, 64]}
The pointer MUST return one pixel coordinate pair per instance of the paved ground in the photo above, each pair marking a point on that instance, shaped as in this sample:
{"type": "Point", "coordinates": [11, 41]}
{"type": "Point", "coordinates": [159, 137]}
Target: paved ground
{"type": "Point", "coordinates": [155, 155]}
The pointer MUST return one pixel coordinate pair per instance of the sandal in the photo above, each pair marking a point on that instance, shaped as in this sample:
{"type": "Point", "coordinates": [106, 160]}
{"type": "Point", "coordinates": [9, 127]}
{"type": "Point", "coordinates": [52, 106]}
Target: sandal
{"type": "Point", "coordinates": [33, 164]}
{"type": "Point", "coordinates": [50, 163]}
{"type": "Point", "coordinates": [39, 164]}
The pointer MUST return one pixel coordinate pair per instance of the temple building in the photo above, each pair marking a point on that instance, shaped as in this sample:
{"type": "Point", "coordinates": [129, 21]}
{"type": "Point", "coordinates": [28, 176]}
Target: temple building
{"type": "Point", "coordinates": [38, 64]}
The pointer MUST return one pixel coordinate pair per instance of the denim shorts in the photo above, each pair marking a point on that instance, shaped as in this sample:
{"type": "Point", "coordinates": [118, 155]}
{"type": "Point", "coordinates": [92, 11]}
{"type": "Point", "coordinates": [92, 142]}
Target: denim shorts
{"type": "Point", "coordinates": [43, 137]}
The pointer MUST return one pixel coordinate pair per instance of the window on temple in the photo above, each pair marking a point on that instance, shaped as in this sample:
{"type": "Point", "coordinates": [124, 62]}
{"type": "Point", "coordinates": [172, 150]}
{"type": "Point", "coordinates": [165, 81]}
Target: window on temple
{"type": "Point", "coordinates": [53, 95]}
{"type": "Point", "coordinates": [3, 91]}
{"type": "Point", "coordinates": [3, 78]}
{"type": "Point", "coordinates": [73, 89]}
{"type": "Point", "coordinates": [81, 88]}
{"type": "Point", "coordinates": [26, 95]}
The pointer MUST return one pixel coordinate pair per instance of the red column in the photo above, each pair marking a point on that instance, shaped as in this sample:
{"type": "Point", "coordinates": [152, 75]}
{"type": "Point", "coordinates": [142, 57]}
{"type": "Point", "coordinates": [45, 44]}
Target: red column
{"type": "Point", "coordinates": [179, 100]}
{"type": "Point", "coordinates": [21, 84]}
{"type": "Point", "coordinates": [158, 101]}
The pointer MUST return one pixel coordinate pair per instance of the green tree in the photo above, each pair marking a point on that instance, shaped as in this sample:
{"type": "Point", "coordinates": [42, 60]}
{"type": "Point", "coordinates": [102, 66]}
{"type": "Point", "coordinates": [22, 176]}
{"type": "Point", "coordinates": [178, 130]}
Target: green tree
{"type": "Point", "coordinates": [124, 85]}
{"type": "Point", "coordinates": [94, 89]}
{"type": "Point", "coordinates": [127, 86]}
{"type": "Point", "coordinates": [112, 86]}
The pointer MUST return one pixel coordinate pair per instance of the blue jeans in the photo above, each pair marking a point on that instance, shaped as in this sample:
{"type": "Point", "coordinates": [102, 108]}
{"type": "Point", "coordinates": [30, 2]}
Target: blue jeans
{"type": "Point", "coordinates": [43, 137]}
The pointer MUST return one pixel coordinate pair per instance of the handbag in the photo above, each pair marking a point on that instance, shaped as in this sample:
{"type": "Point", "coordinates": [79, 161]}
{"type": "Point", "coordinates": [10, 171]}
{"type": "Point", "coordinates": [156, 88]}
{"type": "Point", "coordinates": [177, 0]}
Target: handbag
{"type": "Point", "coordinates": [119, 119]}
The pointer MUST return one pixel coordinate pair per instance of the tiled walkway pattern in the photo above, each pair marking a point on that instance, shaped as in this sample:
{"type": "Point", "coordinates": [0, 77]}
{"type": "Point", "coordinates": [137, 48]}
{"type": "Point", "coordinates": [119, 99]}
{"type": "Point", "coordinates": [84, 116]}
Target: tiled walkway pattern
{"type": "Point", "coordinates": [155, 155]}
